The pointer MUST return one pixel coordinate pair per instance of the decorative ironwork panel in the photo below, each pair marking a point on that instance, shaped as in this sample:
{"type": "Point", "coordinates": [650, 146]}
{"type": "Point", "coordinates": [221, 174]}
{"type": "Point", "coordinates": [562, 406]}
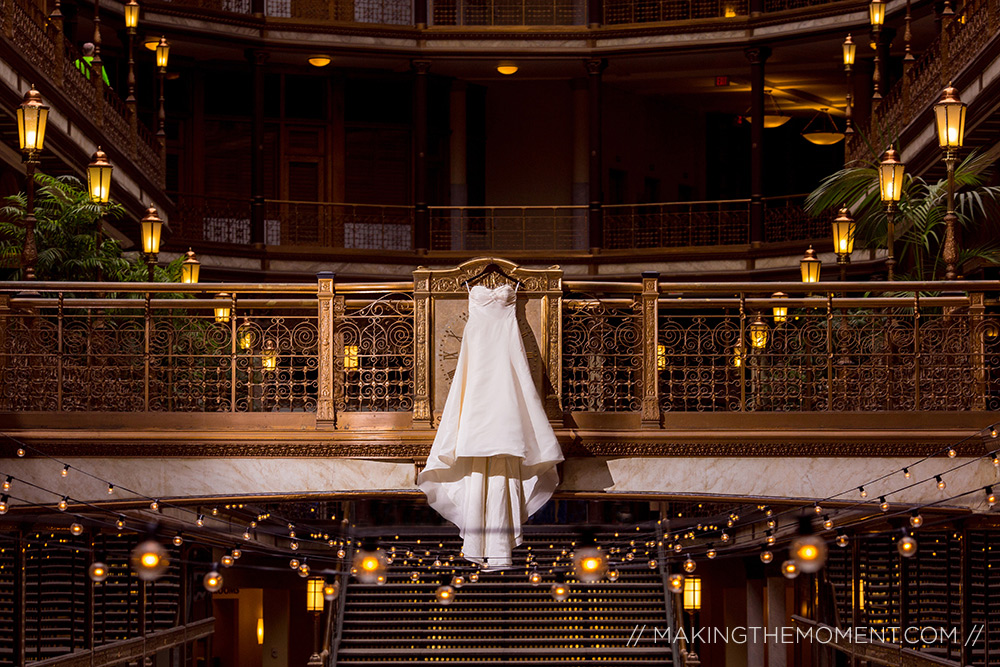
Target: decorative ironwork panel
{"type": "Point", "coordinates": [339, 225]}
{"type": "Point", "coordinates": [785, 220]}
{"type": "Point", "coordinates": [698, 362]}
{"type": "Point", "coordinates": [649, 11]}
{"type": "Point", "coordinates": [508, 12]}
{"type": "Point", "coordinates": [30, 367]}
{"type": "Point", "coordinates": [508, 228]}
{"type": "Point", "coordinates": [216, 219]}
{"type": "Point", "coordinates": [374, 356]}
{"type": "Point", "coordinates": [31, 37]}
{"type": "Point", "coordinates": [602, 356]}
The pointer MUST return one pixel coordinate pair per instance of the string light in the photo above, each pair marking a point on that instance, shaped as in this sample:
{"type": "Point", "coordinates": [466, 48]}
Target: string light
{"type": "Point", "coordinates": [842, 540]}
{"type": "Point", "coordinates": [246, 534]}
{"type": "Point", "coordinates": [3, 504]}
{"type": "Point", "coordinates": [120, 523]}
{"type": "Point", "coordinates": [293, 545]}
{"type": "Point", "coordinates": [711, 553]}
{"type": "Point", "coordinates": [474, 576]}
{"type": "Point", "coordinates": [817, 508]}
{"type": "Point", "coordinates": [63, 504]}
{"type": "Point", "coordinates": [294, 563]}
{"type": "Point", "coordinates": [150, 560]}
{"type": "Point", "coordinates": [991, 499]}
{"type": "Point", "coordinates": [178, 540]}
{"type": "Point", "coordinates": [940, 482]}
{"type": "Point", "coordinates": [369, 562]}
{"type": "Point", "coordinates": [907, 547]}
{"type": "Point", "coordinates": [766, 556]}
{"type": "Point", "coordinates": [535, 578]}
{"type": "Point", "coordinates": [226, 561]}
{"type": "Point", "coordinates": [770, 539]}
{"type": "Point", "coordinates": [76, 529]}
{"type": "Point", "coordinates": [457, 581]}
{"type": "Point", "coordinates": [808, 550]}
{"type": "Point", "coordinates": [690, 565]}
{"type": "Point", "coordinates": [155, 505]}
{"type": "Point", "coordinates": [20, 452]}
{"type": "Point", "coordinates": [7, 483]}
{"type": "Point", "coordinates": [111, 489]}
{"type": "Point", "coordinates": [827, 523]}
{"type": "Point", "coordinates": [861, 490]}
{"type": "Point", "coordinates": [675, 582]}
{"type": "Point", "coordinates": [790, 569]}
{"type": "Point", "coordinates": [65, 471]}
{"type": "Point", "coordinates": [304, 570]}
{"type": "Point", "coordinates": [559, 591]}
{"type": "Point", "coordinates": [883, 504]}
{"type": "Point", "coordinates": [212, 582]}
{"type": "Point", "coordinates": [952, 453]}
{"type": "Point", "coordinates": [97, 571]}
{"type": "Point", "coordinates": [331, 591]}
{"type": "Point", "coordinates": [236, 553]}
{"type": "Point", "coordinates": [916, 520]}
{"type": "Point", "coordinates": [652, 564]}
{"type": "Point", "coordinates": [996, 460]}
{"type": "Point", "coordinates": [906, 473]}
{"type": "Point", "coordinates": [201, 520]}
{"type": "Point", "coordinates": [724, 536]}
{"type": "Point", "coordinates": [612, 575]}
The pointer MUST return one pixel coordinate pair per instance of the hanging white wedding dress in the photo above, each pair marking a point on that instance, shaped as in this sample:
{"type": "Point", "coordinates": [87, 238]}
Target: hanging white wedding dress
{"type": "Point", "coordinates": [493, 462]}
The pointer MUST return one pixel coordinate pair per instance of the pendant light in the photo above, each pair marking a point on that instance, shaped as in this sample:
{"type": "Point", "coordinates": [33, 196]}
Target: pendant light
{"type": "Point", "coordinates": [825, 133]}
{"type": "Point", "coordinates": [773, 117]}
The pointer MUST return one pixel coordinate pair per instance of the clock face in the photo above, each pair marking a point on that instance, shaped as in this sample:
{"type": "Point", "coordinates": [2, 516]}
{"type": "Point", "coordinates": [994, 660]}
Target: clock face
{"type": "Point", "coordinates": [450, 344]}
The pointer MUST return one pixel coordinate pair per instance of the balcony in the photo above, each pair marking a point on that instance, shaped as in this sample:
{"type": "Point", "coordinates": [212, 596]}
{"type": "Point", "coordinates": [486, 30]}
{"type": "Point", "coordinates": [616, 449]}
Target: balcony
{"type": "Point", "coordinates": [627, 355]}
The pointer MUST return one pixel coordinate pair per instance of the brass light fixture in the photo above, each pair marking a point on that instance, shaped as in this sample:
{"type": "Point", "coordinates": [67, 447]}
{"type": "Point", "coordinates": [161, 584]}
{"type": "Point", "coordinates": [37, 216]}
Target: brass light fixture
{"type": "Point", "coordinates": [949, 115]}
{"type": "Point", "coordinates": [99, 177]}
{"type": "Point", "coordinates": [850, 50]}
{"type": "Point", "coordinates": [825, 133]}
{"type": "Point", "coordinates": [223, 310]}
{"type": "Point", "coordinates": [162, 53]}
{"type": "Point", "coordinates": [843, 239]}
{"type": "Point", "coordinates": [507, 67]}
{"type": "Point", "coordinates": [692, 594]}
{"type": "Point", "coordinates": [269, 356]}
{"type": "Point", "coordinates": [890, 181]}
{"type": "Point", "coordinates": [319, 60]}
{"type": "Point", "coordinates": [774, 119]}
{"type": "Point", "coordinates": [758, 334]}
{"type": "Point", "coordinates": [131, 14]}
{"type": "Point", "coordinates": [190, 268]}
{"type": "Point", "coordinates": [32, 117]}
{"type": "Point", "coordinates": [876, 14]}
{"type": "Point", "coordinates": [810, 266]}
{"type": "Point", "coordinates": [150, 227]}
{"type": "Point", "coordinates": [779, 311]}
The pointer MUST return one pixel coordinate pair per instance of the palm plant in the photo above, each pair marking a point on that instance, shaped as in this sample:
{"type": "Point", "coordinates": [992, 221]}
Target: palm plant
{"type": "Point", "coordinates": [920, 216]}
{"type": "Point", "coordinates": [66, 236]}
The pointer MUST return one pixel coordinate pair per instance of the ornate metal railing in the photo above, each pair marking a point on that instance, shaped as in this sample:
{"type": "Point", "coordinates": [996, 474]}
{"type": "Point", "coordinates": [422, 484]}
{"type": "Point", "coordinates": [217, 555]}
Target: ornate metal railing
{"type": "Point", "coordinates": [508, 12]}
{"type": "Point", "coordinates": [962, 37]}
{"type": "Point", "coordinates": [339, 225]}
{"type": "Point", "coordinates": [644, 348]}
{"type": "Point", "coordinates": [45, 47]}
{"type": "Point", "coordinates": [508, 228]}
{"type": "Point", "coordinates": [708, 223]}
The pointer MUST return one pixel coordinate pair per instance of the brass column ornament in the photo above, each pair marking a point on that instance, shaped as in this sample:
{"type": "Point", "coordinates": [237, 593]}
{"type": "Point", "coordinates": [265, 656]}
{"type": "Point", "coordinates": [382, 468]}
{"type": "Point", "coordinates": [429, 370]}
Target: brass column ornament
{"type": "Point", "coordinates": [97, 63]}
{"type": "Point", "coordinates": [849, 49]}
{"type": "Point", "coordinates": [32, 116]}
{"type": "Point", "coordinates": [162, 57]}
{"type": "Point", "coordinates": [949, 116]}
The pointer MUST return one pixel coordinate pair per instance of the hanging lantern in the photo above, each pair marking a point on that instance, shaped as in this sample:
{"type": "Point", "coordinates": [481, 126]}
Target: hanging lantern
{"type": "Point", "coordinates": [949, 116]}
{"type": "Point", "coordinates": [773, 117]}
{"type": "Point", "coordinates": [223, 308]}
{"type": "Point", "coordinates": [99, 177]}
{"type": "Point", "coordinates": [843, 232]}
{"type": "Point", "coordinates": [32, 116]}
{"type": "Point", "coordinates": [890, 177]}
{"type": "Point", "coordinates": [190, 268]}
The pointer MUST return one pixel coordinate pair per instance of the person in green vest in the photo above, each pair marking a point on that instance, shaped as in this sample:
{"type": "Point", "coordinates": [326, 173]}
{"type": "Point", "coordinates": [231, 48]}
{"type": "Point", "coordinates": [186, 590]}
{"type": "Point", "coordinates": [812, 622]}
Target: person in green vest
{"type": "Point", "coordinates": [86, 63]}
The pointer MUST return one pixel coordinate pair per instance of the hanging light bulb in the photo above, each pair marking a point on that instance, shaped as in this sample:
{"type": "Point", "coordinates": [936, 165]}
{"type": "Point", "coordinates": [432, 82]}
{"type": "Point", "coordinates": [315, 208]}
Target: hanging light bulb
{"type": "Point", "coordinates": [97, 571]}
{"type": "Point", "coordinates": [4, 506]}
{"type": "Point", "coordinates": [63, 504]}
{"type": "Point", "coordinates": [612, 575]}
{"type": "Point", "coordinates": [445, 594]}
{"type": "Point", "coordinates": [711, 553]}
{"type": "Point", "coordinates": [817, 509]}
{"type": "Point", "coordinates": [330, 591]}
{"type": "Point", "coordinates": [766, 556]}
{"type": "Point", "coordinates": [861, 490]}
{"type": "Point", "coordinates": [916, 520]}
{"type": "Point", "coordinates": [65, 471]}
{"type": "Point", "coordinates": [457, 581]}
{"type": "Point", "coordinates": [842, 540]}
{"type": "Point", "coordinates": [120, 523]}
{"type": "Point", "coordinates": [370, 562]}
{"type": "Point", "coordinates": [771, 523]}
{"type": "Point", "coordinates": [690, 565]}
{"type": "Point", "coordinates": [293, 545]}
{"type": "Point", "coordinates": [826, 133]}
{"type": "Point", "coordinates": [246, 534]}
{"type": "Point", "coordinates": [76, 529]}
{"type": "Point", "coordinates": [652, 564]}
{"type": "Point", "coordinates": [414, 576]}
{"type": "Point", "coordinates": [201, 520]}
{"type": "Point", "coordinates": [907, 547]}
{"type": "Point", "coordinates": [790, 569]}
{"type": "Point", "coordinates": [770, 539]}
{"type": "Point", "coordinates": [111, 489]}
{"type": "Point", "coordinates": [473, 576]}
{"type": "Point", "coordinates": [535, 578]}
{"type": "Point", "coordinates": [906, 473]}
{"type": "Point", "coordinates": [236, 553]}
{"type": "Point", "coordinates": [589, 562]}
{"type": "Point", "coordinates": [675, 582]}
{"type": "Point", "coordinates": [149, 560]}
{"type": "Point", "coordinates": [724, 537]}
{"type": "Point", "coordinates": [178, 540]}
{"type": "Point", "coordinates": [827, 523]}
{"type": "Point", "coordinates": [294, 563]}
{"type": "Point", "coordinates": [20, 452]}
{"type": "Point", "coordinates": [212, 581]}
{"type": "Point", "coordinates": [559, 591]}
{"type": "Point", "coordinates": [226, 561]}
{"type": "Point", "coordinates": [952, 453]}
{"type": "Point", "coordinates": [991, 498]}
{"type": "Point", "coordinates": [940, 482]}
{"type": "Point", "coordinates": [883, 504]}
{"type": "Point", "coordinates": [304, 570]}
{"type": "Point", "coordinates": [7, 482]}
{"type": "Point", "coordinates": [808, 550]}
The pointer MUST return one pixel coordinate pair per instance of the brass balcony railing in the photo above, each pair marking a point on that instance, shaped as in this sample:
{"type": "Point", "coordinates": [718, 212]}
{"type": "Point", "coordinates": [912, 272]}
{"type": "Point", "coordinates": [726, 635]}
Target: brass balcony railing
{"type": "Point", "coordinates": [43, 44]}
{"type": "Point", "coordinates": [642, 347]}
{"type": "Point", "coordinates": [507, 228]}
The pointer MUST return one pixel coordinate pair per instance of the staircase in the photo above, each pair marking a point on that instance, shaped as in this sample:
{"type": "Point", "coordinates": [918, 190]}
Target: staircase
{"type": "Point", "coordinates": [503, 618]}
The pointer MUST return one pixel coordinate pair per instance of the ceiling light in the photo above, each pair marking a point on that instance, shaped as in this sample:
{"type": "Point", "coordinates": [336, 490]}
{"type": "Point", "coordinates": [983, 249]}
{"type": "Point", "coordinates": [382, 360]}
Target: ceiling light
{"type": "Point", "coordinates": [319, 61]}
{"type": "Point", "coordinates": [506, 67]}
{"type": "Point", "coordinates": [824, 134]}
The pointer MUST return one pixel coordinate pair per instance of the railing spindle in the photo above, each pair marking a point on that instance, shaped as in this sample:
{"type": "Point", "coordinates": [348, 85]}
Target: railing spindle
{"type": "Point", "coordinates": [916, 350]}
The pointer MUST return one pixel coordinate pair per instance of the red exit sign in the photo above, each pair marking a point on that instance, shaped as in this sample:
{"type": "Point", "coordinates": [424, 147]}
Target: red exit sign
{"type": "Point", "coordinates": [722, 80]}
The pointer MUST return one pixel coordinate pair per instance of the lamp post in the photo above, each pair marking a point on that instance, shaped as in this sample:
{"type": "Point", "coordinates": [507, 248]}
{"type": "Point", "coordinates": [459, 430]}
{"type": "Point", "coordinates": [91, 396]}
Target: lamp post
{"type": "Point", "coordinates": [150, 227]}
{"type": "Point", "coordinates": [131, 23]}
{"type": "Point", "coordinates": [850, 50]}
{"type": "Point", "coordinates": [32, 116]}
{"type": "Point", "coordinates": [949, 116]}
{"type": "Point", "coordinates": [314, 605]}
{"type": "Point", "coordinates": [843, 239]}
{"type": "Point", "coordinates": [876, 15]}
{"type": "Point", "coordinates": [99, 187]}
{"type": "Point", "coordinates": [162, 56]}
{"type": "Point", "coordinates": [890, 182]}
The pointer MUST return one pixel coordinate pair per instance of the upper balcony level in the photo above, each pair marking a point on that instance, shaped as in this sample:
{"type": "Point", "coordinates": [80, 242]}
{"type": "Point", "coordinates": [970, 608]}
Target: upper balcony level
{"type": "Point", "coordinates": [624, 367]}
